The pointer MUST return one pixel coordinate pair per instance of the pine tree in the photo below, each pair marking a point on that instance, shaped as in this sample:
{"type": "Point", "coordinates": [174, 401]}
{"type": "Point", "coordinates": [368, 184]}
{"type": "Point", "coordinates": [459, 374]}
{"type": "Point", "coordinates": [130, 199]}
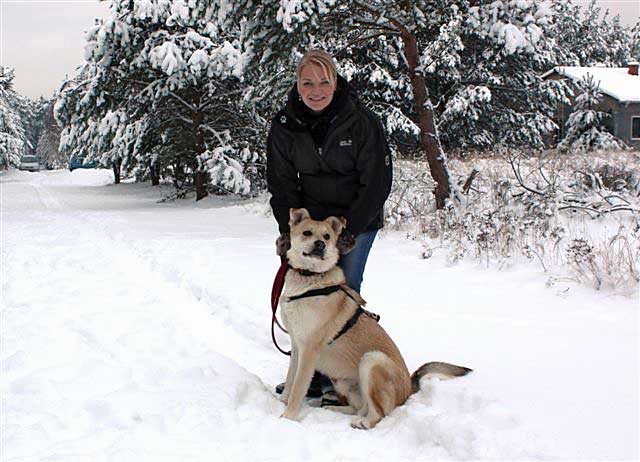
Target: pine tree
{"type": "Point", "coordinates": [588, 36]}
{"type": "Point", "coordinates": [157, 91]}
{"type": "Point", "coordinates": [585, 127]}
{"type": "Point", "coordinates": [49, 139]}
{"type": "Point", "coordinates": [495, 93]}
{"type": "Point", "coordinates": [32, 113]}
{"type": "Point", "coordinates": [12, 132]}
{"type": "Point", "coordinates": [635, 43]}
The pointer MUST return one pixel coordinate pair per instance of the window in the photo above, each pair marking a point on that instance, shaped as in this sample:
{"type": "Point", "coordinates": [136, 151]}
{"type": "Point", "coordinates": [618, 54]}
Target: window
{"type": "Point", "coordinates": [635, 128]}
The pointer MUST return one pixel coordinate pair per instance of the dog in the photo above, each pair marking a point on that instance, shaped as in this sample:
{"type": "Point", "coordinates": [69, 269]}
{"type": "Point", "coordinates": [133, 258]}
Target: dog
{"type": "Point", "coordinates": [331, 333]}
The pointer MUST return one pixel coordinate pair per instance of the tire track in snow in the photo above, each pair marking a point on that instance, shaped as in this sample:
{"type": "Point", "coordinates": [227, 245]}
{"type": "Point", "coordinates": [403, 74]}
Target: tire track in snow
{"type": "Point", "coordinates": [47, 199]}
{"type": "Point", "coordinates": [243, 322]}
{"type": "Point", "coordinates": [99, 361]}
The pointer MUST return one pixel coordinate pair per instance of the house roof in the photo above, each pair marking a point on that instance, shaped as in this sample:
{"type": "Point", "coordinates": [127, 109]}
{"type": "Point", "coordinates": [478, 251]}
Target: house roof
{"type": "Point", "coordinates": [614, 81]}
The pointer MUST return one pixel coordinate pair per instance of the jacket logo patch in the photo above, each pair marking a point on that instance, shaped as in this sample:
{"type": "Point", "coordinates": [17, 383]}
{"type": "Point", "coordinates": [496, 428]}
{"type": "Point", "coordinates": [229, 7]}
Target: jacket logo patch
{"type": "Point", "coordinates": [283, 119]}
{"type": "Point", "coordinates": [345, 143]}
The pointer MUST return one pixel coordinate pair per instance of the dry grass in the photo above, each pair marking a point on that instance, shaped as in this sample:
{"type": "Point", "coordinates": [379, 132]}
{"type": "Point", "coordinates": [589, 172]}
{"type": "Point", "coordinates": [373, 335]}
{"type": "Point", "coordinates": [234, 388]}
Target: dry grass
{"type": "Point", "coordinates": [576, 216]}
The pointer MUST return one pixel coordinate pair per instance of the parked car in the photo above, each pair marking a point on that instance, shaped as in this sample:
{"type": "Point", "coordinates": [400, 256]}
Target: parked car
{"type": "Point", "coordinates": [78, 162]}
{"type": "Point", "coordinates": [30, 163]}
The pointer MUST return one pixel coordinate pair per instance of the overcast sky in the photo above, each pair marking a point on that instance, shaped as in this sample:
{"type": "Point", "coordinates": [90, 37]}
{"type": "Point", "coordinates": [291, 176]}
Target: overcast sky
{"type": "Point", "coordinates": [43, 39]}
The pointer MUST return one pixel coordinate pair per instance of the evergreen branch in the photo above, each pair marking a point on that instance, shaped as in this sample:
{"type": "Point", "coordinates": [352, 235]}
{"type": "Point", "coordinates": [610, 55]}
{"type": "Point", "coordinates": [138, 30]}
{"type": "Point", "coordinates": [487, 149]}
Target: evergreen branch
{"type": "Point", "coordinates": [371, 9]}
{"type": "Point", "coordinates": [356, 41]}
{"type": "Point", "coordinates": [217, 97]}
{"type": "Point", "coordinates": [184, 119]}
{"type": "Point", "coordinates": [373, 25]}
{"type": "Point", "coordinates": [215, 133]}
{"type": "Point", "coordinates": [185, 103]}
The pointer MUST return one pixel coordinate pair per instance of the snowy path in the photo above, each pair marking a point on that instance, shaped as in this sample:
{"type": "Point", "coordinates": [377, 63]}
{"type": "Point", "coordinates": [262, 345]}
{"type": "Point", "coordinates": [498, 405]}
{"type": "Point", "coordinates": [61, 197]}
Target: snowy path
{"type": "Point", "coordinates": [133, 330]}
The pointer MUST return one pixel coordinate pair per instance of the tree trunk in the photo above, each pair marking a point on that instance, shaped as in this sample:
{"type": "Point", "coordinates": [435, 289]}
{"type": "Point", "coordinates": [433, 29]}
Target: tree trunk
{"type": "Point", "coordinates": [116, 169]}
{"type": "Point", "coordinates": [178, 174]}
{"type": "Point", "coordinates": [200, 179]}
{"type": "Point", "coordinates": [428, 132]}
{"type": "Point", "coordinates": [154, 172]}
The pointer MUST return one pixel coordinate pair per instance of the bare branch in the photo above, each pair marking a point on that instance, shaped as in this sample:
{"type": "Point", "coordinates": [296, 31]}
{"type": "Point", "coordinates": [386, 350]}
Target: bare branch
{"type": "Point", "coordinates": [467, 184]}
{"type": "Point", "coordinates": [518, 175]}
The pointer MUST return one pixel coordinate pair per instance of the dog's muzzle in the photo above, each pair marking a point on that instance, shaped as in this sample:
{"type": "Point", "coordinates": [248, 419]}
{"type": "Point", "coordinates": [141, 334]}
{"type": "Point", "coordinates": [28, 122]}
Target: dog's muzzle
{"type": "Point", "coordinates": [318, 249]}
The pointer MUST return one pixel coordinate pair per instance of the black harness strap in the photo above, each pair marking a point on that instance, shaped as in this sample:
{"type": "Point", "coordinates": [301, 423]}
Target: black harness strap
{"type": "Point", "coordinates": [330, 290]}
{"type": "Point", "coordinates": [349, 324]}
{"type": "Point", "coordinates": [314, 293]}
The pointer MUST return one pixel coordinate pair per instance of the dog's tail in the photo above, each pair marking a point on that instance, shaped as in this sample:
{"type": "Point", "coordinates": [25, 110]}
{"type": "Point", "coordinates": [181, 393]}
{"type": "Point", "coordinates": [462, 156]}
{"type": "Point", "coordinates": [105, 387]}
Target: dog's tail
{"type": "Point", "coordinates": [436, 369]}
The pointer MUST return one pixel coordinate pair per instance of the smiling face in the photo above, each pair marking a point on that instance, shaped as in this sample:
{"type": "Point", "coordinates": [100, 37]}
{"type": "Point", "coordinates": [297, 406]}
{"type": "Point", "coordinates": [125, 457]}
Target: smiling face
{"type": "Point", "coordinates": [315, 87]}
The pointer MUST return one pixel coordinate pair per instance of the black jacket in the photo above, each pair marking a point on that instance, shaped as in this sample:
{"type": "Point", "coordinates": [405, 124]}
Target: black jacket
{"type": "Point", "coordinates": [348, 175]}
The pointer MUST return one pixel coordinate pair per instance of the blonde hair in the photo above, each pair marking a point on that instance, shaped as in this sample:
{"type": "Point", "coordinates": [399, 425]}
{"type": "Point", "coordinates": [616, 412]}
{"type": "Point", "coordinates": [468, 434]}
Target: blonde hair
{"type": "Point", "coordinates": [319, 58]}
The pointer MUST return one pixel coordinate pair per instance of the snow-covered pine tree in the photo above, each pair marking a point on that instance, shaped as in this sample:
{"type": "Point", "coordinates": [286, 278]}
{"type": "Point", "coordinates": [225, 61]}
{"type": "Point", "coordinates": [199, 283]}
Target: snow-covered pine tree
{"type": "Point", "coordinates": [587, 36]}
{"type": "Point", "coordinates": [620, 40]}
{"type": "Point", "coordinates": [158, 87]}
{"type": "Point", "coordinates": [49, 139]}
{"type": "Point", "coordinates": [585, 127]}
{"type": "Point", "coordinates": [635, 42]}
{"type": "Point", "coordinates": [495, 94]}
{"type": "Point", "coordinates": [12, 132]}
{"type": "Point", "coordinates": [32, 113]}
{"type": "Point", "coordinates": [580, 41]}
{"type": "Point", "coordinates": [482, 71]}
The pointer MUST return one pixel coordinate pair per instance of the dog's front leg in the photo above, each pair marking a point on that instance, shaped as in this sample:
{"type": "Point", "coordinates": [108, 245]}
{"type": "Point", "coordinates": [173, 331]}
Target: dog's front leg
{"type": "Point", "coordinates": [307, 357]}
{"type": "Point", "coordinates": [291, 373]}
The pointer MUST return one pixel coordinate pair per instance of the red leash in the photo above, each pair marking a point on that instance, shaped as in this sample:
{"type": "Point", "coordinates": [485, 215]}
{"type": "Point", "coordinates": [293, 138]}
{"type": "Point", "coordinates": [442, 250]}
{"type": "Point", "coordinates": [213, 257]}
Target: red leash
{"type": "Point", "coordinates": [276, 291]}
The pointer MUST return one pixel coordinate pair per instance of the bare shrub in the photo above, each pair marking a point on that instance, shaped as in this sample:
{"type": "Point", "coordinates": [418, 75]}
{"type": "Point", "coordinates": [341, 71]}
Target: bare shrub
{"type": "Point", "coordinates": [536, 207]}
{"type": "Point", "coordinates": [411, 199]}
{"type": "Point", "coordinates": [611, 263]}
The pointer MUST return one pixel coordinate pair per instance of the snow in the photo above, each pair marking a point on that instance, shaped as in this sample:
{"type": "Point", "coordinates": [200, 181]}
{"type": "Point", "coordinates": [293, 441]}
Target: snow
{"type": "Point", "coordinates": [138, 330]}
{"type": "Point", "coordinates": [167, 56]}
{"type": "Point", "coordinates": [614, 81]}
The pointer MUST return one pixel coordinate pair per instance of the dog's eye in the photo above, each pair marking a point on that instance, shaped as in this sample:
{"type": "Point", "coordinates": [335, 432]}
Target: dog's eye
{"type": "Point", "coordinates": [326, 237]}
{"type": "Point", "coordinates": [307, 233]}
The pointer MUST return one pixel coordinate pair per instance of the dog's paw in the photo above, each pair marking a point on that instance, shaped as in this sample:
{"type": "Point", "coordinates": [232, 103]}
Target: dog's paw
{"type": "Point", "coordinates": [361, 423]}
{"type": "Point", "coordinates": [290, 416]}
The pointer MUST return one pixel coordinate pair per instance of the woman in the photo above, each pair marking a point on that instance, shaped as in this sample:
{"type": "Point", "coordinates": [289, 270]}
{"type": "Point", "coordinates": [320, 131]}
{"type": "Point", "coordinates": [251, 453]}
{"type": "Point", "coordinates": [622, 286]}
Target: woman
{"type": "Point", "coordinates": [327, 153]}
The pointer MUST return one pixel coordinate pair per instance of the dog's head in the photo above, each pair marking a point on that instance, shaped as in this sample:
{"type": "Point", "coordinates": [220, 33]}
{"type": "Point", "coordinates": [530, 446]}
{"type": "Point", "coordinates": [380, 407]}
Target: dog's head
{"type": "Point", "coordinates": [314, 243]}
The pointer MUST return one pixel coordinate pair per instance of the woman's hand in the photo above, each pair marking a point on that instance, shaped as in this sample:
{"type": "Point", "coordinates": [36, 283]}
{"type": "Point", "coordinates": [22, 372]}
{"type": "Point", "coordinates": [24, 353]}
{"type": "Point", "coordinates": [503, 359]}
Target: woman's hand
{"type": "Point", "coordinates": [283, 244]}
{"type": "Point", "coordinates": [346, 242]}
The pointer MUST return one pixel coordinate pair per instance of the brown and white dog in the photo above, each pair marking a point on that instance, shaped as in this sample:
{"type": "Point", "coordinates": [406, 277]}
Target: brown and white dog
{"type": "Point", "coordinates": [364, 364]}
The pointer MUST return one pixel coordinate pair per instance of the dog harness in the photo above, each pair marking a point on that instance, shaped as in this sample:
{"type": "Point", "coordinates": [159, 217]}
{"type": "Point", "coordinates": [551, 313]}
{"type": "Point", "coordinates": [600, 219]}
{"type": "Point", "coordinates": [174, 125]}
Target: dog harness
{"type": "Point", "coordinates": [351, 321]}
{"type": "Point", "coordinates": [276, 291]}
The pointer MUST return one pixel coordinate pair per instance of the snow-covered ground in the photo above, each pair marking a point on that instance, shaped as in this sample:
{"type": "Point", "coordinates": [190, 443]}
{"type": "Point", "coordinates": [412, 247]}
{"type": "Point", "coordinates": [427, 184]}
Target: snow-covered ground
{"type": "Point", "coordinates": [139, 331]}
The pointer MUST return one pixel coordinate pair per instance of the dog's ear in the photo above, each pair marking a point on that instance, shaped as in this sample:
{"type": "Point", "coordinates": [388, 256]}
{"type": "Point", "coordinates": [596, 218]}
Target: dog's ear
{"type": "Point", "coordinates": [297, 215]}
{"type": "Point", "coordinates": [337, 224]}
